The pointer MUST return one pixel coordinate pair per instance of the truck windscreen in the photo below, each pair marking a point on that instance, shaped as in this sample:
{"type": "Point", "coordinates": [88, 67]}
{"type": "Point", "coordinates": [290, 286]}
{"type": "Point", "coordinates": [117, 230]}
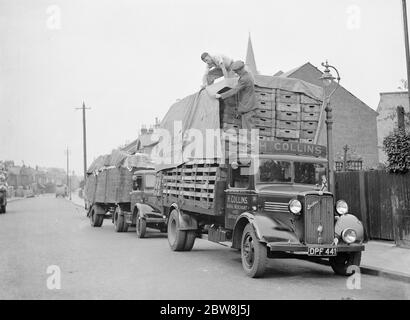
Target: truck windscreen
{"type": "Point", "coordinates": [277, 171]}
{"type": "Point", "coordinates": [309, 173]}
{"type": "Point", "coordinates": [273, 171]}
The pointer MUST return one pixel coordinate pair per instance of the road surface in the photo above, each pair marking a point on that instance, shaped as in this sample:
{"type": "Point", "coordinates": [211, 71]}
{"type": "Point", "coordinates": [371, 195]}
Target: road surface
{"type": "Point", "coordinates": [97, 263]}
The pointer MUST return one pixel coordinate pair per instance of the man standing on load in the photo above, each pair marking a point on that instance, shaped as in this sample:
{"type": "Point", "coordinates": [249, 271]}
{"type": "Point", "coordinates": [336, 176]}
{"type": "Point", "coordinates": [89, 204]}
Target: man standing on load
{"type": "Point", "coordinates": [245, 91]}
{"type": "Point", "coordinates": [216, 66]}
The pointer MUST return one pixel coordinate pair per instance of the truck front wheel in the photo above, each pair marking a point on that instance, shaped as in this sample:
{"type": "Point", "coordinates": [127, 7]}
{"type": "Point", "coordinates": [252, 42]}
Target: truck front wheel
{"type": "Point", "coordinates": [253, 253]}
{"type": "Point", "coordinates": [176, 237]}
{"type": "Point", "coordinates": [141, 226]}
{"type": "Point", "coordinates": [341, 263]}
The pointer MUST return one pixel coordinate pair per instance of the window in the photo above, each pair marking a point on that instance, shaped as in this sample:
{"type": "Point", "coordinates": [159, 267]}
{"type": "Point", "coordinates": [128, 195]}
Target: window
{"type": "Point", "coordinates": [272, 171]}
{"type": "Point", "coordinates": [149, 181]}
{"type": "Point", "coordinates": [309, 173]}
{"type": "Point", "coordinates": [240, 178]}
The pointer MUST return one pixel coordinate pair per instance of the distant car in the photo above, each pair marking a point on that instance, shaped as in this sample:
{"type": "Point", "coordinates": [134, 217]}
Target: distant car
{"type": "Point", "coordinates": [61, 191]}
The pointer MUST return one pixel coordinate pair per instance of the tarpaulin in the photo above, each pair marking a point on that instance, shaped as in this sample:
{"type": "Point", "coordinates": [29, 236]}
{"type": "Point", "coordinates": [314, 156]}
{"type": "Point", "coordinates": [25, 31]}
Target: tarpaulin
{"type": "Point", "coordinates": [120, 159]}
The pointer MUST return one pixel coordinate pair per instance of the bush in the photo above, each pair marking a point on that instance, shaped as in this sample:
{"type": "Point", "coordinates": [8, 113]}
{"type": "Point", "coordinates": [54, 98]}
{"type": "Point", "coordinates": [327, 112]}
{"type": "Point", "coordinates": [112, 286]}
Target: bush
{"type": "Point", "coordinates": [397, 147]}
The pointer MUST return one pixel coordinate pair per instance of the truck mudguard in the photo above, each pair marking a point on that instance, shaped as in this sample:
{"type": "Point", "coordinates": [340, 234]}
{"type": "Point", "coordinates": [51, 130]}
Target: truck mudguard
{"type": "Point", "coordinates": [267, 229]}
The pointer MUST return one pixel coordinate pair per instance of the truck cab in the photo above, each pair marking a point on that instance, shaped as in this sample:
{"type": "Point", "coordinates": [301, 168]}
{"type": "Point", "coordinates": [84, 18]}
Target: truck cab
{"type": "Point", "coordinates": [279, 206]}
{"type": "Point", "coordinates": [273, 204]}
{"type": "Point", "coordinates": [143, 214]}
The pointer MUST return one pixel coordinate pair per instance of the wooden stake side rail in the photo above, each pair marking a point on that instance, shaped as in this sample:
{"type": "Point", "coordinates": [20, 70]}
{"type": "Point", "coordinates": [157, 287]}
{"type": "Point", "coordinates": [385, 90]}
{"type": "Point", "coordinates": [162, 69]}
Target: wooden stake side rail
{"type": "Point", "coordinates": [192, 185]}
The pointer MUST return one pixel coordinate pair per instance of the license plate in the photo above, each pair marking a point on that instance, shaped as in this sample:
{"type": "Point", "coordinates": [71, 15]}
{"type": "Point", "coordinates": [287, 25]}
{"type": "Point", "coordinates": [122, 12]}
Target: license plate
{"type": "Point", "coordinates": [322, 251]}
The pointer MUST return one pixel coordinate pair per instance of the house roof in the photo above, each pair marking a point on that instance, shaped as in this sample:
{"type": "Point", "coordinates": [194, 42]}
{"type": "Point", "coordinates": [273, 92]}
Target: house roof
{"type": "Point", "coordinates": [290, 73]}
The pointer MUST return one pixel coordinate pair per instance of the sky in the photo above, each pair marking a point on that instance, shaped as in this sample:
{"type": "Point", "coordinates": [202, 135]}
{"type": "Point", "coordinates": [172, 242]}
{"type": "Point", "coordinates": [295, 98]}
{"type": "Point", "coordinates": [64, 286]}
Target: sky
{"type": "Point", "coordinates": [129, 61]}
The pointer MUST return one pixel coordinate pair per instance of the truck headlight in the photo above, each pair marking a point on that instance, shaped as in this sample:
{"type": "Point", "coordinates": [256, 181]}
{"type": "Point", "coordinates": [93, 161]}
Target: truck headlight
{"type": "Point", "coordinates": [349, 235]}
{"type": "Point", "coordinates": [295, 206]}
{"type": "Point", "coordinates": [342, 207]}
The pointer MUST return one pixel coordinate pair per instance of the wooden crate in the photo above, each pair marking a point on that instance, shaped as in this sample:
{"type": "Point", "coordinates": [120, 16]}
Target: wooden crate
{"type": "Point", "coordinates": [287, 139]}
{"type": "Point", "coordinates": [287, 96]}
{"type": "Point", "coordinates": [264, 96]}
{"type": "Point", "coordinates": [265, 105]}
{"type": "Point", "coordinates": [264, 122]}
{"type": "Point", "coordinates": [307, 134]}
{"type": "Point", "coordinates": [307, 99]}
{"type": "Point", "coordinates": [286, 133]}
{"type": "Point", "coordinates": [292, 107]}
{"type": "Point", "coordinates": [306, 140]}
{"type": "Point", "coordinates": [288, 116]}
{"type": "Point", "coordinates": [265, 113]}
{"type": "Point", "coordinates": [308, 125]}
{"type": "Point", "coordinates": [311, 108]}
{"type": "Point", "coordinates": [265, 131]}
{"type": "Point", "coordinates": [313, 116]}
{"type": "Point", "coordinates": [292, 125]}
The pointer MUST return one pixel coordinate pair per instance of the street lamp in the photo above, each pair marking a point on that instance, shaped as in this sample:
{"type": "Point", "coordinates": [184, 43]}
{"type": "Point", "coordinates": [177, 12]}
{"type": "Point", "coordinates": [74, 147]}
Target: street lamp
{"type": "Point", "coordinates": [327, 79]}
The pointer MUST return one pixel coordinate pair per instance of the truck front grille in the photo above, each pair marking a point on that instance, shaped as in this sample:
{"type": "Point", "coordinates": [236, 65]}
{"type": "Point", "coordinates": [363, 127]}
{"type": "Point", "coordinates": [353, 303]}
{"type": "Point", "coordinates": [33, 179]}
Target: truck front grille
{"type": "Point", "coordinates": [319, 216]}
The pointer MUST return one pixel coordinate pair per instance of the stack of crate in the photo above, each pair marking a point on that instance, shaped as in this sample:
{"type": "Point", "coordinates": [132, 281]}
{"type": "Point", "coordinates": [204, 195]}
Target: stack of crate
{"type": "Point", "coordinates": [280, 115]}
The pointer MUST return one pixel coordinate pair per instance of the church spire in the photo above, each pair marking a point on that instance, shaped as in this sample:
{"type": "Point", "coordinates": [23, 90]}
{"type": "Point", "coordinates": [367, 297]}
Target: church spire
{"type": "Point", "coordinates": [250, 57]}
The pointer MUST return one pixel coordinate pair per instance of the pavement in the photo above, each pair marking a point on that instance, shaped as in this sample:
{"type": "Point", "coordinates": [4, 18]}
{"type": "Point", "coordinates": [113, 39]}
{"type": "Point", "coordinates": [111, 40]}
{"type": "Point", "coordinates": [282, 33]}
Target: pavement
{"type": "Point", "coordinates": [384, 258]}
{"type": "Point", "coordinates": [77, 200]}
{"type": "Point", "coordinates": [47, 240]}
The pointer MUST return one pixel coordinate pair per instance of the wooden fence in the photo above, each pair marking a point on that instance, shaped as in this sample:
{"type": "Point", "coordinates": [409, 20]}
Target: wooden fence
{"type": "Point", "coordinates": [380, 200]}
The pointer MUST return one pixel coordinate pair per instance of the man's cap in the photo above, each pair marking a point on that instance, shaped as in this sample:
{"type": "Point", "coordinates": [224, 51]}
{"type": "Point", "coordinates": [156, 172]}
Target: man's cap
{"type": "Point", "coordinates": [237, 65]}
{"type": "Point", "coordinates": [204, 55]}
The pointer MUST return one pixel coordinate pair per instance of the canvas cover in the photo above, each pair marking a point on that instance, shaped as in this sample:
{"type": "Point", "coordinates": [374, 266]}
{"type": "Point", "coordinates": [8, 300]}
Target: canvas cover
{"type": "Point", "coordinates": [200, 111]}
{"type": "Point", "coordinates": [120, 159]}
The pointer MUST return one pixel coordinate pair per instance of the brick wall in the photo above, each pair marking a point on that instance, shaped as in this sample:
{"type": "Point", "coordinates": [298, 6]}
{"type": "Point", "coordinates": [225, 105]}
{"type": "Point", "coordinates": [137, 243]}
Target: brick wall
{"type": "Point", "coordinates": [354, 122]}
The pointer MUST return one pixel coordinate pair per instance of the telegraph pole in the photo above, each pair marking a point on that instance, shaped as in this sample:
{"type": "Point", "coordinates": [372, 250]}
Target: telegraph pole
{"type": "Point", "coordinates": [84, 139]}
{"type": "Point", "coordinates": [406, 42]}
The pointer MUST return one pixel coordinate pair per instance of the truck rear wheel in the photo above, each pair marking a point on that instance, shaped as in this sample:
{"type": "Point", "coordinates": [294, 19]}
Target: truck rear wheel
{"type": "Point", "coordinates": [120, 224]}
{"type": "Point", "coordinates": [96, 220]}
{"type": "Point", "coordinates": [190, 240]}
{"type": "Point", "coordinates": [341, 263]}
{"type": "Point", "coordinates": [2, 209]}
{"type": "Point", "coordinates": [253, 253]}
{"type": "Point", "coordinates": [141, 226]}
{"type": "Point", "coordinates": [176, 237]}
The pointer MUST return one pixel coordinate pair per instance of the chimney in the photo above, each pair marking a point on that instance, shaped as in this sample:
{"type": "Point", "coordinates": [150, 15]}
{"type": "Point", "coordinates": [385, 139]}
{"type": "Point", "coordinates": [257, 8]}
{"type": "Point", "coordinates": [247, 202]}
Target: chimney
{"type": "Point", "coordinates": [400, 118]}
{"type": "Point", "coordinates": [143, 129]}
{"type": "Point", "coordinates": [150, 130]}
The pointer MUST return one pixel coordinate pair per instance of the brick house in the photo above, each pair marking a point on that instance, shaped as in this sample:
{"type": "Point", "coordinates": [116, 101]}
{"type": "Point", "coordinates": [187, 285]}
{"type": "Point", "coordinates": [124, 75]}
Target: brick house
{"type": "Point", "coordinates": [355, 123]}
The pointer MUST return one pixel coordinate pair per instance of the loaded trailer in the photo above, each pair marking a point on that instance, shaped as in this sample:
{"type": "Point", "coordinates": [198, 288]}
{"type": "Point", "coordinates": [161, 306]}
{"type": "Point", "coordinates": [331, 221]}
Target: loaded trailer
{"type": "Point", "coordinates": [272, 203]}
{"type": "Point", "coordinates": [113, 190]}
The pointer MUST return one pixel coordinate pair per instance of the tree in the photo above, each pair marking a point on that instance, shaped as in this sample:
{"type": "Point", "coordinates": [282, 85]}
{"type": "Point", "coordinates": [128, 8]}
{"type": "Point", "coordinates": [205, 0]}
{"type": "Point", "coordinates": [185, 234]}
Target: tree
{"type": "Point", "coordinates": [397, 147]}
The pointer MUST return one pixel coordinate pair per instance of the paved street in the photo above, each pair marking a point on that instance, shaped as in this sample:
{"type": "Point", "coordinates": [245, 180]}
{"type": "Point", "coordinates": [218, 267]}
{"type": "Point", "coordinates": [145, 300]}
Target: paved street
{"type": "Point", "coordinates": [97, 263]}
